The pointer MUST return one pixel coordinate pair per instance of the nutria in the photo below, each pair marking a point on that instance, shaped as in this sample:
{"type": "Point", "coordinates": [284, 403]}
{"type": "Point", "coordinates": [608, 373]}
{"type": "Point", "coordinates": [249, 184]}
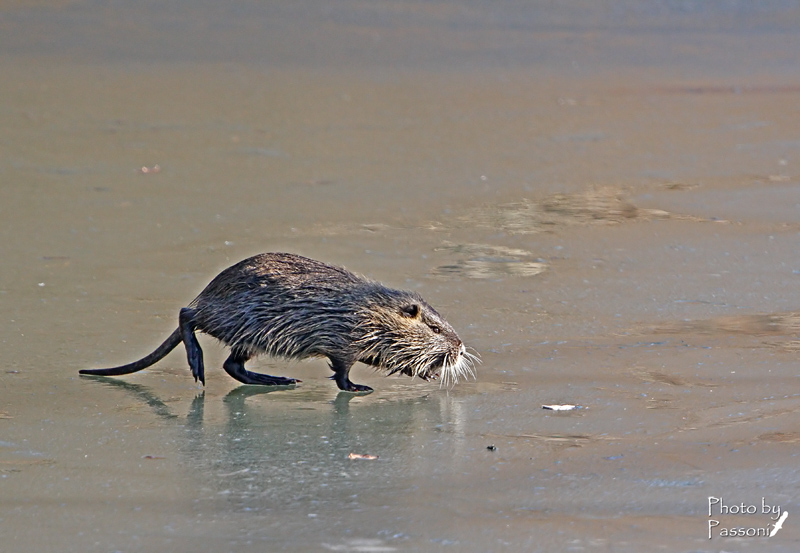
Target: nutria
{"type": "Point", "coordinates": [290, 306]}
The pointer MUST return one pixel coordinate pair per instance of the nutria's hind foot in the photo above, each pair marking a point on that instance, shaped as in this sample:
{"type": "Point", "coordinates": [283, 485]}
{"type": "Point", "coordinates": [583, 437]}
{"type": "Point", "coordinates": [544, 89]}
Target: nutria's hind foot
{"type": "Point", "coordinates": [234, 366]}
{"type": "Point", "coordinates": [194, 354]}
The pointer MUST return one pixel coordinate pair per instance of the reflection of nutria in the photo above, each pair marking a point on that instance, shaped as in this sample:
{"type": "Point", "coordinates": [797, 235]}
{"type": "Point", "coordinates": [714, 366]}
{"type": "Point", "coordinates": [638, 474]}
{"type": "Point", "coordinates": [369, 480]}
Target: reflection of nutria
{"type": "Point", "coordinates": [294, 307]}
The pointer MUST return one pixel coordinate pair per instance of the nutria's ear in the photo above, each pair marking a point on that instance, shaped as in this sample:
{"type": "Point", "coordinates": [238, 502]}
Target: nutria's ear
{"type": "Point", "coordinates": [410, 310]}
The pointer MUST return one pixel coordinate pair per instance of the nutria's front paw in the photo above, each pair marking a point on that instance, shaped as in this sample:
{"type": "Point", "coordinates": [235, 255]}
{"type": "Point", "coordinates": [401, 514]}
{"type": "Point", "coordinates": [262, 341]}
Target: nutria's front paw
{"type": "Point", "coordinates": [355, 388]}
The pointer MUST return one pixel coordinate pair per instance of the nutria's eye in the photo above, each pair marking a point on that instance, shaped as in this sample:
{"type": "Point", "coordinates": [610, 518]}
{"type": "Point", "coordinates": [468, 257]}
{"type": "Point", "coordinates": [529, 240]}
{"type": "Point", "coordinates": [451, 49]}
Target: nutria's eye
{"type": "Point", "coordinates": [435, 329]}
{"type": "Point", "coordinates": [410, 310]}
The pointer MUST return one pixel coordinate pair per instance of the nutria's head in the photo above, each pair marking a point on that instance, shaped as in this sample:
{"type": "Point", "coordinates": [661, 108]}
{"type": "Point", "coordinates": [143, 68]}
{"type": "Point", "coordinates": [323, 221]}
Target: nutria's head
{"type": "Point", "coordinates": [400, 332]}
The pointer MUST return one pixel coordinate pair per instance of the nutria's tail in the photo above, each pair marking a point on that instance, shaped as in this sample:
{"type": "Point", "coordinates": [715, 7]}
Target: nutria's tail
{"type": "Point", "coordinates": [162, 351]}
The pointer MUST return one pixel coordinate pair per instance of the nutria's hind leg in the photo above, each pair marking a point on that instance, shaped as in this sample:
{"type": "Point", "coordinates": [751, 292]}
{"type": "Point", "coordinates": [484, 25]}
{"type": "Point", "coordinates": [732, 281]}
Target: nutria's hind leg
{"type": "Point", "coordinates": [194, 354]}
{"type": "Point", "coordinates": [341, 370]}
{"type": "Point", "coordinates": [234, 366]}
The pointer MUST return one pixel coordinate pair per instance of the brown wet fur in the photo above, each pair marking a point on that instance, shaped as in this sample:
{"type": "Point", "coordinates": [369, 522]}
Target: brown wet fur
{"type": "Point", "coordinates": [294, 307]}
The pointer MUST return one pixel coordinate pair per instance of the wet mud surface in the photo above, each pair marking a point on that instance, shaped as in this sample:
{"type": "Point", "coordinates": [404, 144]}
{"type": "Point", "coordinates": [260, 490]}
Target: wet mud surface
{"type": "Point", "coordinates": [607, 222]}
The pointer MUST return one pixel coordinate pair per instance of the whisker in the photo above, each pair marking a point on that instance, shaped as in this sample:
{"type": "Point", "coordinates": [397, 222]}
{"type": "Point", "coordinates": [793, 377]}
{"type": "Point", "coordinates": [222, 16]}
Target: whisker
{"type": "Point", "coordinates": [462, 367]}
